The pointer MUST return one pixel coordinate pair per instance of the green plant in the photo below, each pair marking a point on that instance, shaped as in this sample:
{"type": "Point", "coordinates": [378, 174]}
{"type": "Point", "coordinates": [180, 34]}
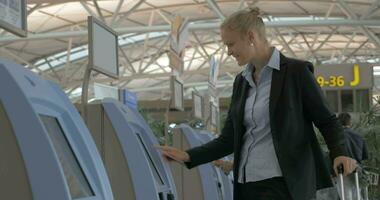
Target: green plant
{"type": "Point", "coordinates": [157, 126]}
{"type": "Point", "coordinates": [368, 125]}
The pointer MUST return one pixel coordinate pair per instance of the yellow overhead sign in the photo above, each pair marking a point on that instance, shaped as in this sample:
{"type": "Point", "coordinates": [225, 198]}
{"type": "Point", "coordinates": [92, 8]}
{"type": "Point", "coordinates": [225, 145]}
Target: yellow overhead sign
{"type": "Point", "coordinates": [345, 76]}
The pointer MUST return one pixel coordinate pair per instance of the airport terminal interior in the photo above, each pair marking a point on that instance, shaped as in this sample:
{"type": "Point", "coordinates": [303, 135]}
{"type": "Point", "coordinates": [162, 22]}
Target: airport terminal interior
{"type": "Point", "coordinates": [90, 88]}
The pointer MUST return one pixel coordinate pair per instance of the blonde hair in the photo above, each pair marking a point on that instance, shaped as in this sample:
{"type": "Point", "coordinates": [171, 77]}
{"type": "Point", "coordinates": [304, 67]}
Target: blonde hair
{"type": "Point", "coordinates": [245, 20]}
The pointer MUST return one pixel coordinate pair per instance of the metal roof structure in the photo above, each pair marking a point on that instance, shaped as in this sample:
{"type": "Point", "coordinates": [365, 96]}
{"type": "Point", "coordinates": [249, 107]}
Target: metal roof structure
{"type": "Point", "coordinates": [321, 31]}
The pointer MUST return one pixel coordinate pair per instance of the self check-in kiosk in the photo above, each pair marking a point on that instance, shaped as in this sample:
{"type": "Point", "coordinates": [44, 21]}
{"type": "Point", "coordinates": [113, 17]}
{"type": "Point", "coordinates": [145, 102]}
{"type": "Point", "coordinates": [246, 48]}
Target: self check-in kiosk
{"type": "Point", "coordinates": [225, 179]}
{"type": "Point", "coordinates": [201, 182]}
{"type": "Point", "coordinates": [46, 151]}
{"type": "Point", "coordinates": [135, 168]}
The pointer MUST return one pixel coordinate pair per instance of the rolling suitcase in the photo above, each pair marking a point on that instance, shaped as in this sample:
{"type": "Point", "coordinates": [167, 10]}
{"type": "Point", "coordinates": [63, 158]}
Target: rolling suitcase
{"type": "Point", "coordinates": [343, 191]}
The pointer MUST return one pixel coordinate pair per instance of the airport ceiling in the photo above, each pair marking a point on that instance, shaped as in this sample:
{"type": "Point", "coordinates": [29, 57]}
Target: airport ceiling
{"type": "Point", "coordinates": [321, 31]}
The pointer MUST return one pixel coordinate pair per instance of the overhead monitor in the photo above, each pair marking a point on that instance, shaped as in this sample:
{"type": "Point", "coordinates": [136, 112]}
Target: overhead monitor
{"type": "Point", "coordinates": [176, 88]}
{"type": "Point", "coordinates": [13, 16]}
{"type": "Point", "coordinates": [197, 105]}
{"type": "Point", "coordinates": [75, 178]}
{"type": "Point", "coordinates": [102, 48]}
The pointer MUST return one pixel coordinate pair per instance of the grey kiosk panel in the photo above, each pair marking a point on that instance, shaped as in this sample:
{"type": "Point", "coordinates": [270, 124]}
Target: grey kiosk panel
{"type": "Point", "coordinates": [12, 166]}
{"type": "Point", "coordinates": [201, 182]}
{"type": "Point", "coordinates": [135, 168]}
{"type": "Point", "coordinates": [46, 151]}
{"type": "Point", "coordinates": [225, 179]}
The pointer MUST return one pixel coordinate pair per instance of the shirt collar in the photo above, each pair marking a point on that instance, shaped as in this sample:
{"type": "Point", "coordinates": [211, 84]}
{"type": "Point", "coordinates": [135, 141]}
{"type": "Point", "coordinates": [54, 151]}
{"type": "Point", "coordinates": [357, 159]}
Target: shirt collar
{"type": "Point", "coordinates": [274, 63]}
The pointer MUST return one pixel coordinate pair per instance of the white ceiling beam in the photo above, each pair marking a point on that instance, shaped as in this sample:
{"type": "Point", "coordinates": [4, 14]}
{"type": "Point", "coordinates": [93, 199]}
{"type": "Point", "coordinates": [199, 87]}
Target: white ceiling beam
{"type": "Point", "coordinates": [68, 55]}
{"type": "Point", "coordinates": [87, 8]}
{"type": "Point", "coordinates": [34, 8]}
{"type": "Point", "coordinates": [356, 50]}
{"type": "Point", "coordinates": [343, 51]}
{"type": "Point", "coordinates": [372, 9]}
{"type": "Point", "coordinates": [219, 84]}
{"type": "Point", "coordinates": [125, 15]}
{"type": "Point", "coordinates": [190, 61]}
{"type": "Point", "coordinates": [371, 36]}
{"type": "Point", "coordinates": [100, 14]}
{"type": "Point", "coordinates": [333, 31]}
{"type": "Point", "coordinates": [328, 13]}
{"type": "Point", "coordinates": [200, 44]}
{"type": "Point", "coordinates": [223, 69]}
{"type": "Point", "coordinates": [310, 49]}
{"type": "Point", "coordinates": [20, 59]}
{"type": "Point", "coordinates": [51, 16]}
{"type": "Point", "coordinates": [129, 63]}
{"type": "Point", "coordinates": [53, 70]}
{"type": "Point", "coordinates": [198, 26]}
{"type": "Point", "coordinates": [75, 73]}
{"type": "Point", "coordinates": [68, 93]}
{"type": "Point", "coordinates": [214, 7]}
{"type": "Point", "coordinates": [345, 8]}
{"type": "Point", "coordinates": [151, 18]}
{"type": "Point", "coordinates": [222, 54]}
{"type": "Point", "coordinates": [161, 67]}
{"type": "Point", "coordinates": [159, 53]}
{"type": "Point", "coordinates": [301, 8]}
{"type": "Point", "coordinates": [116, 13]}
{"type": "Point", "coordinates": [284, 43]}
{"type": "Point", "coordinates": [163, 16]}
{"type": "Point", "coordinates": [343, 5]}
{"type": "Point", "coordinates": [196, 48]}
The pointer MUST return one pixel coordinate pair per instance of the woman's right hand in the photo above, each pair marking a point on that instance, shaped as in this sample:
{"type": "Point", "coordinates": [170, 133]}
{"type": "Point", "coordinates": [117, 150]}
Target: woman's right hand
{"type": "Point", "coordinates": [171, 153]}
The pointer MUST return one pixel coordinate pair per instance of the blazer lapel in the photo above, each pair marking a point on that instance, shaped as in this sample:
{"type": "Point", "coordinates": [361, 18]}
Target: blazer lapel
{"type": "Point", "coordinates": [242, 100]}
{"type": "Point", "coordinates": [277, 85]}
{"type": "Point", "coordinates": [243, 89]}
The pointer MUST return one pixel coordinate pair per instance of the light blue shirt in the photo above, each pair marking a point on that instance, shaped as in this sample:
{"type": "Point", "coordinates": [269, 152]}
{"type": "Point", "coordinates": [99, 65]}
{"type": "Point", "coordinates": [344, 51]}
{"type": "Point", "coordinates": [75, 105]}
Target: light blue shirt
{"type": "Point", "coordinates": [258, 157]}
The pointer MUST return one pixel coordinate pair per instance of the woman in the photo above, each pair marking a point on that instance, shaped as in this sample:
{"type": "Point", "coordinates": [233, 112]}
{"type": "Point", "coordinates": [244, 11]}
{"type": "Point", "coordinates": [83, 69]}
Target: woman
{"type": "Point", "coordinates": [269, 126]}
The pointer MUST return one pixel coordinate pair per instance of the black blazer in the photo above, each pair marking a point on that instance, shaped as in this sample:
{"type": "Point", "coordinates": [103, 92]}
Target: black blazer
{"type": "Point", "coordinates": [296, 102]}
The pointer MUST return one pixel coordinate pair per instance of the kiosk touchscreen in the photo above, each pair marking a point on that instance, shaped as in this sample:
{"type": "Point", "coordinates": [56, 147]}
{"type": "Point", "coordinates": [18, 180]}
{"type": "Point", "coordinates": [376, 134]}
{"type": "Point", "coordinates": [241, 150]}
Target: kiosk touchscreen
{"type": "Point", "coordinates": [46, 151]}
{"type": "Point", "coordinates": [201, 182]}
{"type": "Point", "coordinates": [135, 168]}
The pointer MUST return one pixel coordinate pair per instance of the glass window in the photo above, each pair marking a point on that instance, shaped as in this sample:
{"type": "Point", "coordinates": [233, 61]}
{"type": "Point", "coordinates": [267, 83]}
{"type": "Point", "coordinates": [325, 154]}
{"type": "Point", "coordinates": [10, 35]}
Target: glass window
{"type": "Point", "coordinates": [152, 165]}
{"type": "Point", "coordinates": [75, 178]}
{"type": "Point", "coordinates": [362, 100]}
{"type": "Point", "coordinates": [347, 100]}
{"type": "Point", "coordinates": [332, 99]}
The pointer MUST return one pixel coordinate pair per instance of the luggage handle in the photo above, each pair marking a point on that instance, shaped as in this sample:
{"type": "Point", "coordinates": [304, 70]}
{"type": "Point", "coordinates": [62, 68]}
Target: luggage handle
{"type": "Point", "coordinates": [340, 174]}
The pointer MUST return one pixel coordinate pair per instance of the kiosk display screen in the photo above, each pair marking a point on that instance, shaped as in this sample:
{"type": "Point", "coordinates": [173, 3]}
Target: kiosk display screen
{"type": "Point", "coordinates": [151, 162]}
{"type": "Point", "coordinates": [75, 178]}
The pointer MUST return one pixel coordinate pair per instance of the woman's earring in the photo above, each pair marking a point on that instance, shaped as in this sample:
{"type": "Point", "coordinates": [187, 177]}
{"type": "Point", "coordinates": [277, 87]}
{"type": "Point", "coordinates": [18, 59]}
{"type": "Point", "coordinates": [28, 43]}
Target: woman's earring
{"type": "Point", "coordinates": [251, 44]}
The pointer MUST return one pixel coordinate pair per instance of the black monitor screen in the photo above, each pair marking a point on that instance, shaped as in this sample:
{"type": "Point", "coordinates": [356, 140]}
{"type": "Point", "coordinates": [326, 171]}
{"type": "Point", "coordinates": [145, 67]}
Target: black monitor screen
{"type": "Point", "coordinates": [75, 178]}
{"type": "Point", "coordinates": [151, 162]}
